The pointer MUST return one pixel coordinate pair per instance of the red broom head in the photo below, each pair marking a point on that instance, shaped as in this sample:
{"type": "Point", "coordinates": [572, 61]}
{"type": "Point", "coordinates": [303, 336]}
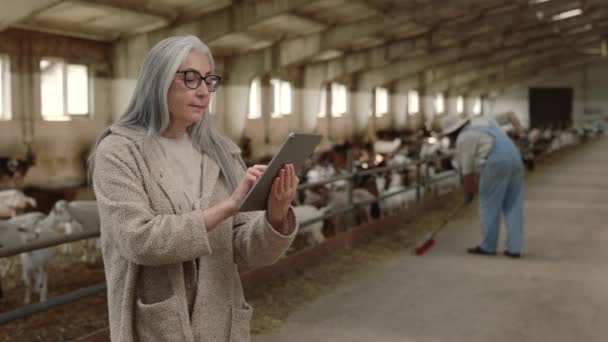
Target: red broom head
{"type": "Point", "coordinates": [425, 246]}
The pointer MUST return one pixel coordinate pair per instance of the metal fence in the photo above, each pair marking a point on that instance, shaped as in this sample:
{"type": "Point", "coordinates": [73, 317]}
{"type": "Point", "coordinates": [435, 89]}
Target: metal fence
{"type": "Point", "coordinates": [28, 310]}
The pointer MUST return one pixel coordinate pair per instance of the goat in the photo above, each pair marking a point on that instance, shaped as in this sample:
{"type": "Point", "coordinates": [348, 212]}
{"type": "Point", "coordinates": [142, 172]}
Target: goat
{"type": "Point", "coordinates": [9, 235]}
{"type": "Point", "coordinates": [79, 216]}
{"type": "Point", "coordinates": [14, 201]}
{"type": "Point", "coordinates": [313, 232]}
{"type": "Point", "coordinates": [443, 182]}
{"type": "Point", "coordinates": [14, 168]}
{"type": "Point", "coordinates": [397, 201]}
{"type": "Point", "coordinates": [387, 147]}
{"type": "Point", "coordinates": [34, 264]}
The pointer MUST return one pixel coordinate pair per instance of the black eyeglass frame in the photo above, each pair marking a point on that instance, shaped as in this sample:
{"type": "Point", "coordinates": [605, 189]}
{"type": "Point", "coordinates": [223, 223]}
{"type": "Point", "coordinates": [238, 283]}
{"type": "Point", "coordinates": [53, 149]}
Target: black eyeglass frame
{"type": "Point", "coordinates": [200, 79]}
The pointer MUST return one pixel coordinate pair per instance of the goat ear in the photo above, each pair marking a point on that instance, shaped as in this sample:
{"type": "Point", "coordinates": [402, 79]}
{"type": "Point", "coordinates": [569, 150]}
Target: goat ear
{"type": "Point", "coordinates": [61, 204]}
{"type": "Point", "coordinates": [12, 165]}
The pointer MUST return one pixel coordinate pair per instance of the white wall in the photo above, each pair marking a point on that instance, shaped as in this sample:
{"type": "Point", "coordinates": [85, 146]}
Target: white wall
{"type": "Point", "coordinates": [515, 100]}
{"type": "Point", "coordinates": [590, 101]}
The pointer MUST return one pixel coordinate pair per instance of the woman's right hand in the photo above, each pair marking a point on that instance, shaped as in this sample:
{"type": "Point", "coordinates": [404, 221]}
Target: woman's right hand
{"type": "Point", "coordinates": [251, 176]}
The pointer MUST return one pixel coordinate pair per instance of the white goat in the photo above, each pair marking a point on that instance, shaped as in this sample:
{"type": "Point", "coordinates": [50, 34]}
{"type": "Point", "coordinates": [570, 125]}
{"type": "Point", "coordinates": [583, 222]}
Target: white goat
{"type": "Point", "coordinates": [80, 216]}
{"type": "Point", "coordinates": [14, 201]}
{"type": "Point", "coordinates": [10, 237]}
{"type": "Point", "coordinates": [339, 199]}
{"type": "Point", "coordinates": [399, 159]}
{"type": "Point", "coordinates": [443, 182]}
{"type": "Point", "coordinates": [313, 232]}
{"type": "Point", "coordinates": [34, 264]}
{"type": "Point", "coordinates": [387, 147]}
{"type": "Point", "coordinates": [398, 201]}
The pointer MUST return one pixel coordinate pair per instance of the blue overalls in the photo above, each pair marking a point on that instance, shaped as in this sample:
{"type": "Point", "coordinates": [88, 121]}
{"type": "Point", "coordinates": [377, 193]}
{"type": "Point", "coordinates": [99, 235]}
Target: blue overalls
{"type": "Point", "coordinates": [501, 189]}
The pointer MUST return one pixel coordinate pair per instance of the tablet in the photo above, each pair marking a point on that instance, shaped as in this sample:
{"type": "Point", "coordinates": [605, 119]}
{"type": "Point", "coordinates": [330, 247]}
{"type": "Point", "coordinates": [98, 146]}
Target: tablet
{"type": "Point", "coordinates": [294, 150]}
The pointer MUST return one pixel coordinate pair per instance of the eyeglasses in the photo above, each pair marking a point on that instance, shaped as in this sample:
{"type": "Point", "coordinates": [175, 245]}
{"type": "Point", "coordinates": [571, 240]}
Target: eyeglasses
{"type": "Point", "coordinates": [193, 79]}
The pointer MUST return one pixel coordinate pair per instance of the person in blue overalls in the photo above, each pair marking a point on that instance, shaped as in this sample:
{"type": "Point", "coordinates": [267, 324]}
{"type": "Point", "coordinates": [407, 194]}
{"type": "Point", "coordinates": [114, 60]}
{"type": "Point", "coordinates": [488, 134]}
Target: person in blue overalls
{"type": "Point", "coordinates": [486, 155]}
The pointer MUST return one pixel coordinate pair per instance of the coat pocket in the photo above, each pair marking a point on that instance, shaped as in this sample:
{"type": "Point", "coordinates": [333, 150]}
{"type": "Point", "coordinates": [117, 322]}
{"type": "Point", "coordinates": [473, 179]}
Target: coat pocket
{"type": "Point", "coordinates": [240, 330]}
{"type": "Point", "coordinates": [158, 321]}
{"type": "Point", "coordinates": [212, 323]}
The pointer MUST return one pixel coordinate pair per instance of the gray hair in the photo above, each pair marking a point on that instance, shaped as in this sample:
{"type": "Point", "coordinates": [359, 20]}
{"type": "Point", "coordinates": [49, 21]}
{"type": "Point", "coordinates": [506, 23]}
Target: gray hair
{"type": "Point", "coordinates": [148, 108]}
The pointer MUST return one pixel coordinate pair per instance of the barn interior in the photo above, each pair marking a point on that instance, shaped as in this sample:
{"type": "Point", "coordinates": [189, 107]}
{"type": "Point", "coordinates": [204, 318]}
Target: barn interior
{"type": "Point", "coordinates": [375, 78]}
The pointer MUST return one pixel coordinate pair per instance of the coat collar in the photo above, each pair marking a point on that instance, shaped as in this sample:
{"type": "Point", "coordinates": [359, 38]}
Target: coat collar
{"type": "Point", "coordinates": [154, 157]}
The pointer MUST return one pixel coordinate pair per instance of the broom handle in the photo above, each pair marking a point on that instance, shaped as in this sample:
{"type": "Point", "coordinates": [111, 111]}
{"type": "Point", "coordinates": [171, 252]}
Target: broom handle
{"type": "Point", "coordinates": [447, 219]}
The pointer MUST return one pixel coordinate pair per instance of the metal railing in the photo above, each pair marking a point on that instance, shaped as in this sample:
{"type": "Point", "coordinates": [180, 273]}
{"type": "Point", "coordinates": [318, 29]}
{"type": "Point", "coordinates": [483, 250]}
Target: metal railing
{"type": "Point", "coordinates": [67, 298]}
{"type": "Point", "coordinates": [95, 289]}
{"type": "Point", "coordinates": [45, 243]}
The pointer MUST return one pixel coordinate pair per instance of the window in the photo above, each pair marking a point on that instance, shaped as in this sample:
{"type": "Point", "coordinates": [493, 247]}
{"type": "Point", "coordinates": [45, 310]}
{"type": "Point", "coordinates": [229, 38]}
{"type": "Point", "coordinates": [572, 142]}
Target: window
{"type": "Point", "coordinates": [477, 106]}
{"type": "Point", "coordinates": [322, 103]}
{"type": "Point", "coordinates": [567, 14]}
{"type": "Point", "coordinates": [255, 105]}
{"type": "Point", "coordinates": [459, 105]}
{"type": "Point", "coordinates": [64, 89]}
{"type": "Point", "coordinates": [5, 89]}
{"type": "Point", "coordinates": [439, 103]}
{"type": "Point", "coordinates": [413, 106]}
{"type": "Point", "coordinates": [285, 98]}
{"type": "Point", "coordinates": [338, 97]}
{"type": "Point", "coordinates": [381, 101]}
{"type": "Point", "coordinates": [281, 95]}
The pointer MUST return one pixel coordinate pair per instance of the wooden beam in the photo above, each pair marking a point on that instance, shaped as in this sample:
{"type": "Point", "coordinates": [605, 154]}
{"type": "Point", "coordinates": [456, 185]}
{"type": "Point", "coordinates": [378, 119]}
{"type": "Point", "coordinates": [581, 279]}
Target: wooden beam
{"type": "Point", "coordinates": [136, 6]}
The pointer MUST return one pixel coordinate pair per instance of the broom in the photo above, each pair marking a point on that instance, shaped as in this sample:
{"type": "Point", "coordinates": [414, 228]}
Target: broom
{"type": "Point", "coordinates": [429, 241]}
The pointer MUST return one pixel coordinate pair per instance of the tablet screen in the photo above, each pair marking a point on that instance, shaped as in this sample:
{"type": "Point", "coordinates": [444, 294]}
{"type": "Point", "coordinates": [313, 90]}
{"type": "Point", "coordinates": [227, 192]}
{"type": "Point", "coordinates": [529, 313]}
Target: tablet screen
{"type": "Point", "coordinates": [296, 148]}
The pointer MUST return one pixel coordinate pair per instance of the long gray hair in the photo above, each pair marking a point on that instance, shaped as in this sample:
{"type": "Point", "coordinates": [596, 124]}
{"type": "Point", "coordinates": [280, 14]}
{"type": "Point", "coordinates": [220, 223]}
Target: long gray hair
{"type": "Point", "coordinates": [148, 108]}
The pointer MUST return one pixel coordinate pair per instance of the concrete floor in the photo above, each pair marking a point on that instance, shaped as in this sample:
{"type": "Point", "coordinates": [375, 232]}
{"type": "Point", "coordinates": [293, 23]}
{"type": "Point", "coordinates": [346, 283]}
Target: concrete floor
{"type": "Point", "coordinates": [557, 292]}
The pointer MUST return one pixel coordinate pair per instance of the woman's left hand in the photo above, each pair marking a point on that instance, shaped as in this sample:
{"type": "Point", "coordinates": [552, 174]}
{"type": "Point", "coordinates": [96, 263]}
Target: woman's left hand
{"type": "Point", "coordinates": [282, 193]}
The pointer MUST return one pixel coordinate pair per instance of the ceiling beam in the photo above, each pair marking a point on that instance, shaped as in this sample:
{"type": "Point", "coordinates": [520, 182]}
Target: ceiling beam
{"type": "Point", "coordinates": [530, 79]}
{"type": "Point", "coordinates": [488, 62]}
{"type": "Point", "coordinates": [461, 83]}
{"type": "Point", "coordinates": [78, 31]}
{"type": "Point", "coordinates": [301, 49]}
{"type": "Point", "coordinates": [165, 12]}
{"type": "Point", "coordinates": [237, 17]}
{"type": "Point", "coordinates": [506, 76]}
{"type": "Point", "coordinates": [404, 69]}
{"type": "Point", "coordinates": [15, 11]}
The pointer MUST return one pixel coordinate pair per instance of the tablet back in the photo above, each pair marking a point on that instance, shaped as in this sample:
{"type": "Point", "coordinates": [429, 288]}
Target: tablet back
{"type": "Point", "coordinates": [295, 150]}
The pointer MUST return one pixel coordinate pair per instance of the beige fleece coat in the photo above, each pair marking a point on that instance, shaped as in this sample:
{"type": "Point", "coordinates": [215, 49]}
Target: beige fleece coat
{"type": "Point", "coordinates": [150, 238]}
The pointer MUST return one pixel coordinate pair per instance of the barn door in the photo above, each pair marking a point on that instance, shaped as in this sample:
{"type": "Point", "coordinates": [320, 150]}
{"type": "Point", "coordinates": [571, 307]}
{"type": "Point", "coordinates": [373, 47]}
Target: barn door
{"type": "Point", "coordinates": [551, 107]}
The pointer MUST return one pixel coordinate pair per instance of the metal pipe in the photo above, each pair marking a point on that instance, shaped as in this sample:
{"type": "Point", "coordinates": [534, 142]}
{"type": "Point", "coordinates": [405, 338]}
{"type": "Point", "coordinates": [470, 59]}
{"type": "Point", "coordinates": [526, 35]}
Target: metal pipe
{"type": "Point", "coordinates": [323, 182]}
{"type": "Point", "coordinates": [28, 310]}
{"type": "Point", "coordinates": [447, 174]}
{"type": "Point", "coordinates": [331, 214]}
{"type": "Point", "coordinates": [352, 207]}
{"type": "Point", "coordinates": [34, 245]}
{"type": "Point", "coordinates": [39, 244]}
{"type": "Point", "coordinates": [351, 184]}
{"type": "Point", "coordinates": [418, 190]}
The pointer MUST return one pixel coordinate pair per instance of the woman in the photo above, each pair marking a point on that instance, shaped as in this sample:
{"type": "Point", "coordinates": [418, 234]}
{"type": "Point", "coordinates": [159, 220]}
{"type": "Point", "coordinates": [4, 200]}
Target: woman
{"type": "Point", "coordinates": [168, 189]}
